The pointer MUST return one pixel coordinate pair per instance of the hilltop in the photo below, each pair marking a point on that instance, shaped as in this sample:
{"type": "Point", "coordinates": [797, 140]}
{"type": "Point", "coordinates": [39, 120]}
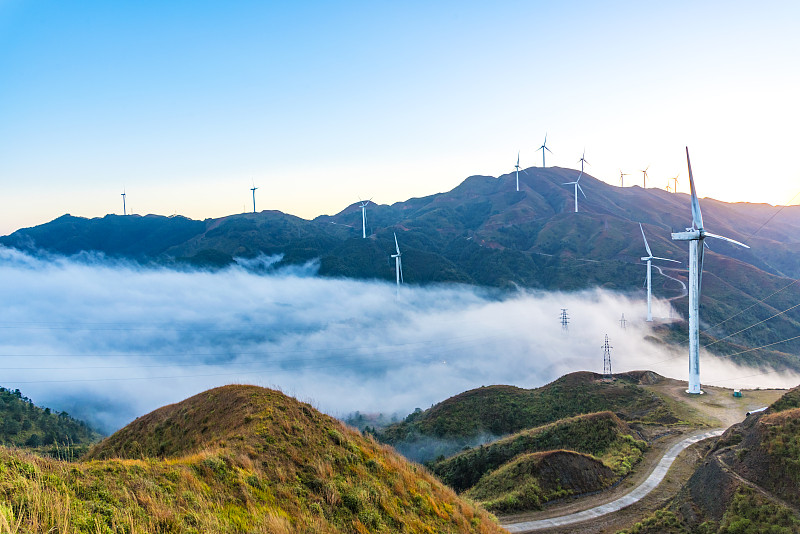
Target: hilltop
{"type": "Point", "coordinates": [484, 232]}
{"type": "Point", "coordinates": [232, 459]}
{"type": "Point", "coordinates": [481, 415]}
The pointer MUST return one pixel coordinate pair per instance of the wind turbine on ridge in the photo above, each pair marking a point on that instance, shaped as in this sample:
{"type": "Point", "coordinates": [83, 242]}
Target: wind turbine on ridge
{"type": "Point", "coordinates": [695, 235]}
{"type": "Point", "coordinates": [124, 209]}
{"type": "Point", "coordinates": [648, 259]}
{"type": "Point", "coordinates": [364, 217]}
{"type": "Point", "coordinates": [517, 167]}
{"type": "Point", "coordinates": [253, 189]}
{"type": "Point", "coordinates": [622, 178]}
{"type": "Point", "coordinates": [644, 177]}
{"type": "Point", "coordinates": [544, 148]}
{"type": "Point", "coordinates": [583, 160]}
{"type": "Point", "coordinates": [577, 188]}
{"type": "Point", "coordinates": [398, 265]}
{"type": "Point", "coordinates": [675, 179]}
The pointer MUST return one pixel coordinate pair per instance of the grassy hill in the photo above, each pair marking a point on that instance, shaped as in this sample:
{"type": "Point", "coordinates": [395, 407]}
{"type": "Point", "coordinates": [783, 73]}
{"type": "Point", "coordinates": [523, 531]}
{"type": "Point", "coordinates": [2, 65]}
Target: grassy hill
{"type": "Point", "coordinates": [749, 482]}
{"type": "Point", "coordinates": [23, 424]}
{"type": "Point", "coordinates": [484, 232]}
{"type": "Point", "coordinates": [232, 459]}
{"type": "Point", "coordinates": [600, 434]}
{"type": "Point", "coordinates": [486, 413]}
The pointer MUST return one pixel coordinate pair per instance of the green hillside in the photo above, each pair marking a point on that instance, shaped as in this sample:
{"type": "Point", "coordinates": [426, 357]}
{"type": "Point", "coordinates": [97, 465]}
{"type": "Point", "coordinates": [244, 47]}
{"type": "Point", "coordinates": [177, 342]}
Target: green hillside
{"type": "Point", "coordinates": [23, 424]}
{"type": "Point", "coordinates": [496, 411]}
{"type": "Point", "coordinates": [233, 459]}
{"type": "Point", "coordinates": [749, 482]}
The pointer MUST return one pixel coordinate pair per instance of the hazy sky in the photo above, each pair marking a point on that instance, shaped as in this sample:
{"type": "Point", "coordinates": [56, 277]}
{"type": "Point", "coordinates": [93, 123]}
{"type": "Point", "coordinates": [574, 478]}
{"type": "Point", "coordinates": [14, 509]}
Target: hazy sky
{"type": "Point", "coordinates": [185, 104]}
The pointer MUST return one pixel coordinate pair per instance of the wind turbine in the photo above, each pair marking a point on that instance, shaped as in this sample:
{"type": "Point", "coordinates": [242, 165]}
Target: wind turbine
{"type": "Point", "coordinates": [622, 178]}
{"type": "Point", "coordinates": [583, 160]}
{"type": "Point", "coordinates": [695, 235]}
{"type": "Point", "coordinates": [124, 209]}
{"type": "Point", "coordinates": [644, 177]}
{"type": "Point", "coordinates": [577, 187]}
{"type": "Point", "coordinates": [364, 217]}
{"type": "Point", "coordinates": [517, 166]}
{"type": "Point", "coordinates": [398, 265]}
{"type": "Point", "coordinates": [544, 148]}
{"type": "Point", "coordinates": [675, 179]}
{"type": "Point", "coordinates": [253, 189]}
{"type": "Point", "coordinates": [648, 259]}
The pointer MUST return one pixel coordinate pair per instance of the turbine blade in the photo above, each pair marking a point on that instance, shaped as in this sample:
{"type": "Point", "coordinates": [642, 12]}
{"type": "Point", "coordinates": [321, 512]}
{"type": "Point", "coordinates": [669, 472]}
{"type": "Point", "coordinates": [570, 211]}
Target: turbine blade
{"type": "Point", "coordinates": [395, 244]}
{"type": "Point", "coordinates": [548, 150]}
{"type": "Point", "coordinates": [645, 241]}
{"type": "Point", "coordinates": [697, 216]}
{"type": "Point", "coordinates": [523, 170]}
{"type": "Point", "coordinates": [700, 251]}
{"type": "Point", "coordinates": [665, 259]}
{"type": "Point", "coordinates": [517, 158]}
{"type": "Point", "coordinates": [580, 189]}
{"type": "Point", "coordinates": [400, 264]}
{"type": "Point", "coordinates": [728, 239]}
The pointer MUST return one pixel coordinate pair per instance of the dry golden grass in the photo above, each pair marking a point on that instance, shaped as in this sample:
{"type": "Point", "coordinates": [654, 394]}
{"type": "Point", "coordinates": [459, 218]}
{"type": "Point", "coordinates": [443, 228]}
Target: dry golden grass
{"type": "Point", "coordinates": [233, 459]}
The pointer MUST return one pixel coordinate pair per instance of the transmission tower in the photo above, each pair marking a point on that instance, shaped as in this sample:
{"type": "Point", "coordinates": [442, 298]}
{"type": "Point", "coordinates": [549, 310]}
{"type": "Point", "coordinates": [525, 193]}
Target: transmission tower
{"type": "Point", "coordinates": [607, 360]}
{"type": "Point", "coordinates": [623, 323]}
{"type": "Point", "coordinates": [564, 320]}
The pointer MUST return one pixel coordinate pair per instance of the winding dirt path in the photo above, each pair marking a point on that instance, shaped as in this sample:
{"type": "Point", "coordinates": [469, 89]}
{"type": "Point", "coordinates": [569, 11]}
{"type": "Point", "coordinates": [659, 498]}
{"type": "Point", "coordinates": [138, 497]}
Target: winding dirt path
{"type": "Point", "coordinates": [630, 498]}
{"type": "Point", "coordinates": [681, 282]}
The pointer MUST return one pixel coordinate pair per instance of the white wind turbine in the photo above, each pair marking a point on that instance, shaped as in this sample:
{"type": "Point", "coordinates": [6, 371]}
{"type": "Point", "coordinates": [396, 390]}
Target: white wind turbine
{"type": "Point", "coordinates": [517, 166]}
{"type": "Point", "coordinates": [583, 160]}
{"type": "Point", "coordinates": [577, 188]}
{"type": "Point", "coordinates": [648, 259]}
{"type": "Point", "coordinates": [544, 149]}
{"type": "Point", "coordinates": [398, 265]}
{"type": "Point", "coordinates": [364, 217]}
{"type": "Point", "coordinates": [695, 235]}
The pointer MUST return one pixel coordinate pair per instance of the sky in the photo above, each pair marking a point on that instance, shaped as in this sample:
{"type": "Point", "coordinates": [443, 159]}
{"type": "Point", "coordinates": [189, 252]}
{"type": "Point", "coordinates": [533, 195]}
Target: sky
{"type": "Point", "coordinates": [185, 106]}
{"type": "Point", "coordinates": [108, 341]}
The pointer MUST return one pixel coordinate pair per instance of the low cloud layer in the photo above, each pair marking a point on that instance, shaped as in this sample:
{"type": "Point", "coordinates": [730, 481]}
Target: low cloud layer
{"type": "Point", "coordinates": [108, 341]}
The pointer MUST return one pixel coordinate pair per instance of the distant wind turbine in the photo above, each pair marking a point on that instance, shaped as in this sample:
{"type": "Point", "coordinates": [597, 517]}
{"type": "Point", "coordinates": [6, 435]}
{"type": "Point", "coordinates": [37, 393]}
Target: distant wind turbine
{"type": "Point", "coordinates": [577, 188]}
{"type": "Point", "coordinates": [253, 189]}
{"type": "Point", "coordinates": [622, 176]}
{"type": "Point", "coordinates": [644, 177]}
{"type": "Point", "coordinates": [648, 259]}
{"type": "Point", "coordinates": [364, 217]}
{"type": "Point", "coordinates": [517, 167]}
{"type": "Point", "coordinates": [544, 149]}
{"type": "Point", "coordinates": [583, 160]}
{"type": "Point", "coordinates": [675, 180]}
{"type": "Point", "coordinates": [695, 235]}
{"type": "Point", "coordinates": [398, 265]}
{"type": "Point", "coordinates": [124, 208]}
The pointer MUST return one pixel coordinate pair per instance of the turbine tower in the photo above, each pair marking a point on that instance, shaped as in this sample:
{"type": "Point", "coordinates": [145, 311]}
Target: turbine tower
{"type": "Point", "coordinates": [644, 177]}
{"type": "Point", "coordinates": [648, 259]}
{"type": "Point", "coordinates": [544, 149]}
{"type": "Point", "coordinates": [517, 166]}
{"type": "Point", "coordinates": [577, 188]}
{"type": "Point", "coordinates": [124, 208]}
{"type": "Point", "coordinates": [253, 189]}
{"type": "Point", "coordinates": [622, 176]}
{"type": "Point", "coordinates": [695, 235]}
{"type": "Point", "coordinates": [398, 265]}
{"type": "Point", "coordinates": [364, 217]}
{"type": "Point", "coordinates": [583, 160]}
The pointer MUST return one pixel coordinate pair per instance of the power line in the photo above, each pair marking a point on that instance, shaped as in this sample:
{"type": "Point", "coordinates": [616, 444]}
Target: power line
{"type": "Point", "coordinates": [751, 326]}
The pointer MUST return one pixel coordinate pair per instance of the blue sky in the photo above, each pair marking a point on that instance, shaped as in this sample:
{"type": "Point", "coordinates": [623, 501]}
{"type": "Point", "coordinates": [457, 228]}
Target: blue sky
{"type": "Point", "coordinates": [186, 104]}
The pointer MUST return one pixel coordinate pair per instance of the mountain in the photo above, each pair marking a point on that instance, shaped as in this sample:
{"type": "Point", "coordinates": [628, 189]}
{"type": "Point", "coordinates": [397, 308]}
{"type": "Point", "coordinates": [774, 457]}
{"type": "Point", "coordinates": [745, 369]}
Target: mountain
{"type": "Point", "coordinates": [25, 425]}
{"type": "Point", "coordinates": [484, 232]}
{"type": "Point", "coordinates": [228, 460]}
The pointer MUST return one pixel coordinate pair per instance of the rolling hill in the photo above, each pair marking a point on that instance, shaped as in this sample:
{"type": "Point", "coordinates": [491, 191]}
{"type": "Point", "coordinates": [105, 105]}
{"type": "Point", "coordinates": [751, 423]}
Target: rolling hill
{"type": "Point", "coordinates": [484, 232]}
{"type": "Point", "coordinates": [232, 459]}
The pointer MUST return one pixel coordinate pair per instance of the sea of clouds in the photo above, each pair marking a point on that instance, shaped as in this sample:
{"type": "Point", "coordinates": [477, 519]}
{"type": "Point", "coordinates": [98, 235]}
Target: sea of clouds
{"type": "Point", "coordinates": [108, 341]}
